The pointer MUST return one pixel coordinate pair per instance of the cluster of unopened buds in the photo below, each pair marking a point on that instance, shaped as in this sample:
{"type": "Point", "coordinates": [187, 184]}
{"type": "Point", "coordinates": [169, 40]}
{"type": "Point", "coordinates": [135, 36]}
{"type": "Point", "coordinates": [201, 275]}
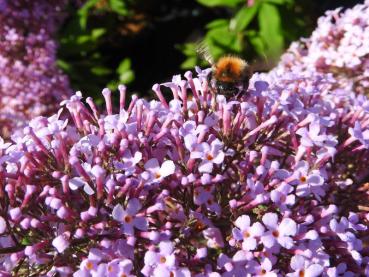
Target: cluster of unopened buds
{"type": "Point", "coordinates": [268, 184]}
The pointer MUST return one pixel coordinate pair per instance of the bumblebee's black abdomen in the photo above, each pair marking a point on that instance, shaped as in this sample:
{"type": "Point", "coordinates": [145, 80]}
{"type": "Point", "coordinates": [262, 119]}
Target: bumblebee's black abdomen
{"type": "Point", "coordinates": [227, 88]}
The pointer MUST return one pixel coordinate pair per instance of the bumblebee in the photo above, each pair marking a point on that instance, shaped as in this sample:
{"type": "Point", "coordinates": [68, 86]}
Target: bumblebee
{"type": "Point", "coordinates": [230, 75]}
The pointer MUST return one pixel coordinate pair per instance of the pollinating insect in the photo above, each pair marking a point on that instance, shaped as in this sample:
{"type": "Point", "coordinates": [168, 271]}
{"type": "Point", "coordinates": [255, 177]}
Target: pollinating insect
{"type": "Point", "coordinates": [230, 74]}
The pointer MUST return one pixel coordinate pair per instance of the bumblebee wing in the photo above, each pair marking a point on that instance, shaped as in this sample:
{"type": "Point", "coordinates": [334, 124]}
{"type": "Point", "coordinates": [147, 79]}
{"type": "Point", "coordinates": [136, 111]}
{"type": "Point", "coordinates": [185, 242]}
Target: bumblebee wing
{"type": "Point", "coordinates": [263, 64]}
{"type": "Point", "coordinates": [202, 50]}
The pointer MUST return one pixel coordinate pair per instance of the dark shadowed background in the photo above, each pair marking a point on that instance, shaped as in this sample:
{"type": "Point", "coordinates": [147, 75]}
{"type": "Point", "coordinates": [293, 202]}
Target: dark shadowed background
{"type": "Point", "coordinates": [103, 43]}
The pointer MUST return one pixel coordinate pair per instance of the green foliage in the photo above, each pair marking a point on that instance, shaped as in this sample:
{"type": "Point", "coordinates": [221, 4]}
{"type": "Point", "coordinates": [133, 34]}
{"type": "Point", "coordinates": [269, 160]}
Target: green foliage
{"type": "Point", "coordinates": [215, 3]}
{"type": "Point", "coordinates": [125, 73]}
{"type": "Point", "coordinates": [98, 41]}
{"type": "Point", "coordinates": [243, 18]}
{"type": "Point", "coordinates": [270, 29]}
{"type": "Point", "coordinates": [83, 39]}
{"type": "Point", "coordinates": [256, 32]}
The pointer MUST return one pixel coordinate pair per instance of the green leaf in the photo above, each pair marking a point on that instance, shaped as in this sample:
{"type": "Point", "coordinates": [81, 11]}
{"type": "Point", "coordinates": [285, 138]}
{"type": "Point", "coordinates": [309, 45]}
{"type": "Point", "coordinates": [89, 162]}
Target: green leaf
{"type": "Point", "coordinates": [270, 29]}
{"type": "Point", "coordinates": [25, 241]}
{"type": "Point", "coordinates": [100, 70]}
{"type": "Point", "coordinates": [188, 49]}
{"type": "Point", "coordinates": [124, 65]}
{"type": "Point", "coordinates": [218, 23]}
{"type": "Point", "coordinates": [84, 12]}
{"type": "Point", "coordinates": [126, 74]}
{"type": "Point", "coordinates": [257, 44]}
{"type": "Point", "coordinates": [127, 77]}
{"type": "Point", "coordinates": [97, 33]}
{"type": "Point", "coordinates": [220, 35]}
{"type": "Point", "coordinates": [215, 3]}
{"type": "Point", "coordinates": [243, 18]}
{"type": "Point", "coordinates": [221, 41]}
{"type": "Point", "coordinates": [189, 63]}
{"type": "Point", "coordinates": [118, 6]}
{"type": "Point", "coordinates": [279, 2]}
{"type": "Point", "coordinates": [65, 66]}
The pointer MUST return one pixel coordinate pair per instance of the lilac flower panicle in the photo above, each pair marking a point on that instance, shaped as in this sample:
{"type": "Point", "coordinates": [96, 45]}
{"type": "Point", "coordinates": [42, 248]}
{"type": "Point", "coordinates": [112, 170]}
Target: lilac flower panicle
{"type": "Point", "coordinates": [271, 183]}
{"type": "Point", "coordinates": [30, 82]}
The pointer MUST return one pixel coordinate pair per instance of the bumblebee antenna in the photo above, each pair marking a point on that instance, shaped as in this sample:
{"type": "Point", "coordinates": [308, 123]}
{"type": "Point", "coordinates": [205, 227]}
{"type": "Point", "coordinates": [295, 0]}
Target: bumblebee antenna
{"type": "Point", "coordinates": [203, 51]}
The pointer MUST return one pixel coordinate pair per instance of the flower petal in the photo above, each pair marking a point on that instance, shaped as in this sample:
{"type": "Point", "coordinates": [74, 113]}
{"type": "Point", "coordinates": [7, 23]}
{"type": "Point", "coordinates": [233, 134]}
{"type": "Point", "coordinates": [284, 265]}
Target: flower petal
{"type": "Point", "coordinates": [297, 262]}
{"type": "Point", "coordinates": [61, 243]}
{"type": "Point", "coordinates": [243, 222]}
{"type": "Point", "coordinates": [288, 227]}
{"type": "Point", "coordinates": [2, 225]}
{"type": "Point", "coordinates": [219, 158]}
{"type": "Point", "coordinates": [286, 242]}
{"type": "Point", "coordinates": [206, 167]}
{"type": "Point", "coordinates": [270, 220]}
{"type": "Point", "coordinates": [268, 240]}
{"type": "Point", "coordinates": [167, 168]}
{"type": "Point", "coordinates": [314, 270]}
{"type": "Point", "coordinates": [249, 244]}
{"type": "Point", "coordinates": [166, 248]}
{"type": "Point", "coordinates": [118, 213]}
{"type": "Point", "coordinates": [133, 206]}
{"type": "Point", "coordinates": [152, 165]}
{"type": "Point", "coordinates": [151, 258]}
{"type": "Point", "coordinates": [257, 229]}
{"type": "Point", "coordinates": [140, 223]}
{"type": "Point", "coordinates": [76, 183]}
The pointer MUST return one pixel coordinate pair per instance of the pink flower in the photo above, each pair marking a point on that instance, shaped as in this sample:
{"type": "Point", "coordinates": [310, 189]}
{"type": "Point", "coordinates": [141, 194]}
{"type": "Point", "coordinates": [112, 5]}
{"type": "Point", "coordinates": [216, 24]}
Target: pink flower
{"type": "Point", "coordinates": [163, 261]}
{"type": "Point", "coordinates": [157, 173]}
{"type": "Point", "coordinates": [208, 154]}
{"type": "Point", "coordinates": [129, 162]}
{"type": "Point", "coordinates": [303, 267]}
{"type": "Point", "coordinates": [128, 216]}
{"type": "Point", "coordinates": [203, 195]}
{"type": "Point", "coordinates": [214, 237]}
{"type": "Point", "coordinates": [61, 242]}
{"type": "Point", "coordinates": [309, 181]}
{"type": "Point", "coordinates": [278, 233]}
{"type": "Point", "coordinates": [249, 235]}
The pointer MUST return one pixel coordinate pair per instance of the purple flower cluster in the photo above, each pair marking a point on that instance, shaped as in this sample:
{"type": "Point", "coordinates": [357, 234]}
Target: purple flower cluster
{"type": "Point", "coordinates": [30, 83]}
{"type": "Point", "coordinates": [339, 46]}
{"type": "Point", "coordinates": [200, 187]}
{"type": "Point", "coordinates": [270, 184]}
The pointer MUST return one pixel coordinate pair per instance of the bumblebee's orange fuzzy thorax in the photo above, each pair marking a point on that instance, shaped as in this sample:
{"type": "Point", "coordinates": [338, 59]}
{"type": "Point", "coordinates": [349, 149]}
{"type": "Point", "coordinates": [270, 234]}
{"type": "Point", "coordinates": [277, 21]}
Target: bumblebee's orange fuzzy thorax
{"type": "Point", "coordinates": [229, 68]}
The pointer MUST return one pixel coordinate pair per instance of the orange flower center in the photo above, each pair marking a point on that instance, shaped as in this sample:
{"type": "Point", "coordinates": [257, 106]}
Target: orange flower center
{"type": "Point", "coordinates": [163, 260]}
{"type": "Point", "coordinates": [303, 179]}
{"type": "Point", "coordinates": [128, 219]}
{"type": "Point", "coordinates": [209, 157]}
{"type": "Point", "coordinates": [275, 233]}
{"type": "Point", "coordinates": [89, 265]}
